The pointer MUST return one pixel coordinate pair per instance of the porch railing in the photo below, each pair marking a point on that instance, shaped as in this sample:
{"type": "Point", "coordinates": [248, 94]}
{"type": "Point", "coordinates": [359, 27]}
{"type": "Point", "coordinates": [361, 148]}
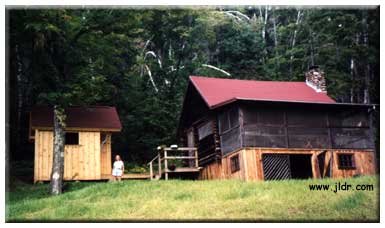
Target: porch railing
{"type": "Point", "coordinates": [163, 157]}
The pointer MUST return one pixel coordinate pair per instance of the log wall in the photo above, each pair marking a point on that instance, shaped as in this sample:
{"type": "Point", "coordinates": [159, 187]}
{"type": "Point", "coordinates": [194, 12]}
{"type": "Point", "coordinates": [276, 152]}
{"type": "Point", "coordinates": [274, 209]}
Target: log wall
{"type": "Point", "coordinates": [86, 161]}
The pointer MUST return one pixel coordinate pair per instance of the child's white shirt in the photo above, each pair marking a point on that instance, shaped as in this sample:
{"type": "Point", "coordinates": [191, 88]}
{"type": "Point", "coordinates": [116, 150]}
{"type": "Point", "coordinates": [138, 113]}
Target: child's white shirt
{"type": "Point", "coordinates": [118, 165]}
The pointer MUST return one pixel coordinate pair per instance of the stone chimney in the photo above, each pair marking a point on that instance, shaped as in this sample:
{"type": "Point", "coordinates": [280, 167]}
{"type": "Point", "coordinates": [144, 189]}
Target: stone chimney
{"type": "Point", "coordinates": [315, 78]}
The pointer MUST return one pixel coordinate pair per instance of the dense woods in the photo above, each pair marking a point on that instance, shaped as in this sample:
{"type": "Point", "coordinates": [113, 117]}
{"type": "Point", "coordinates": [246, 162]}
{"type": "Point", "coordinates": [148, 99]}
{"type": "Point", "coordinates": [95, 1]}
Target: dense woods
{"type": "Point", "coordinates": [139, 60]}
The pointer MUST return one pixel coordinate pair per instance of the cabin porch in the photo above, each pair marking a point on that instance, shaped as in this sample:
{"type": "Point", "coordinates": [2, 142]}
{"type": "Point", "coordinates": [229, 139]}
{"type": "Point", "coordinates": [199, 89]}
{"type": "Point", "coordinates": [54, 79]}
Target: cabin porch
{"type": "Point", "coordinates": [174, 162]}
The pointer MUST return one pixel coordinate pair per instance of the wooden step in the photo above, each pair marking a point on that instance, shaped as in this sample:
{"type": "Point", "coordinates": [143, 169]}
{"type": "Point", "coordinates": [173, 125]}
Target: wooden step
{"type": "Point", "coordinates": [128, 176]}
{"type": "Point", "coordinates": [184, 170]}
{"type": "Point", "coordinates": [136, 176]}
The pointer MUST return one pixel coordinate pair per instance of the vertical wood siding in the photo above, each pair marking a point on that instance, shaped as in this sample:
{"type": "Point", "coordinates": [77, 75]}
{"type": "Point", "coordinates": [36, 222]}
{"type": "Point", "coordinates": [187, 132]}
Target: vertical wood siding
{"type": "Point", "coordinates": [43, 155]}
{"type": "Point", "coordinates": [212, 171]}
{"type": "Point", "coordinates": [81, 162]}
{"type": "Point", "coordinates": [364, 161]}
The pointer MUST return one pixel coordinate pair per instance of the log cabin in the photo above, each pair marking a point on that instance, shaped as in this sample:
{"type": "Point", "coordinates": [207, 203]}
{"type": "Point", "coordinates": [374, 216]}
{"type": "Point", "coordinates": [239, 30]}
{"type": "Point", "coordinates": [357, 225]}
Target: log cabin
{"type": "Point", "coordinates": [272, 130]}
{"type": "Point", "coordinates": [87, 150]}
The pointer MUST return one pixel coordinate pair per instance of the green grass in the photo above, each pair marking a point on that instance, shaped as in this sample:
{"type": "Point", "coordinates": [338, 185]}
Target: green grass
{"type": "Point", "coordinates": [194, 200]}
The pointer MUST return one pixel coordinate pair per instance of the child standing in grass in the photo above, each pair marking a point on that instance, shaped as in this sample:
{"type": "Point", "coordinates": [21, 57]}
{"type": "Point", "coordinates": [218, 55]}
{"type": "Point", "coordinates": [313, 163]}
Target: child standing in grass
{"type": "Point", "coordinates": [118, 168]}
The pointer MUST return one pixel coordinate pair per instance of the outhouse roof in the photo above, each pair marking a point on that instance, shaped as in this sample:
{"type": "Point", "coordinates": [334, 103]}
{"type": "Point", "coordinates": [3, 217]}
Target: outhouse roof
{"type": "Point", "coordinates": [95, 117]}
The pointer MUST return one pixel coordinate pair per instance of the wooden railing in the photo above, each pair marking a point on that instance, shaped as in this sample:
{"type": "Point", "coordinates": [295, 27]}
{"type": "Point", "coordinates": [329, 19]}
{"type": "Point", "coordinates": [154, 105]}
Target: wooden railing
{"type": "Point", "coordinates": [163, 157]}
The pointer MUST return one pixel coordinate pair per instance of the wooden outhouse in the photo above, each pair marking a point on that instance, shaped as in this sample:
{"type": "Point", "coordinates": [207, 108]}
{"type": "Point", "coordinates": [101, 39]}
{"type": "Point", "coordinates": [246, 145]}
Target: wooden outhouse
{"type": "Point", "coordinates": [87, 152]}
{"type": "Point", "coordinates": [265, 130]}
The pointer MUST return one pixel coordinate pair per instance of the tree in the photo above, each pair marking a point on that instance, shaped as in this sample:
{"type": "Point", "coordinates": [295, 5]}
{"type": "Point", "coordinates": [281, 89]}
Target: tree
{"type": "Point", "coordinates": [58, 36]}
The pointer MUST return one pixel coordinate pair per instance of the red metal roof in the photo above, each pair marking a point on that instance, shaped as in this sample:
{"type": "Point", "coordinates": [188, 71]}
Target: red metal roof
{"type": "Point", "coordinates": [219, 91]}
{"type": "Point", "coordinates": [99, 117]}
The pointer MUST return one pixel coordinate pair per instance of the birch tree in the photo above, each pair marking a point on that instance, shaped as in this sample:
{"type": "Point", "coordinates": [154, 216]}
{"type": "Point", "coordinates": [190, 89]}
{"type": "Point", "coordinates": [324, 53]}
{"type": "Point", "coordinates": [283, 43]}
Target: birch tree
{"type": "Point", "coordinates": [293, 40]}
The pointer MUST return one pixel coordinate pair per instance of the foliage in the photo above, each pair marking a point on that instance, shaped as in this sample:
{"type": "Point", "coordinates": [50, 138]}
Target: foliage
{"type": "Point", "coordinates": [227, 200]}
{"type": "Point", "coordinates": [139, 60]}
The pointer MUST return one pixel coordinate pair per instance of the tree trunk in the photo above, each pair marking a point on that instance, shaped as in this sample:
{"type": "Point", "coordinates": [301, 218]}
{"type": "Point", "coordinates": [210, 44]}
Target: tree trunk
{"type": "Point", "coordinates": [275, 43]}
{"type": "Point", "coordinates": [367, 85]}
{"type": "Point", "coordinates": [293, 41]}
{"type": "Point", "coordinates": [311, 49]}
{"type": "Point", "coordinates": [275, 32]}
{"type": "Point", "coordinates": [263, 21]}
{"type": "Point", "coordinates": [58, 151]}
{"type": "Point", "coordinates": [367, 67]}
{"type": "Point", "coordinates": [352, 66]}
{"type": "Point", "coordinates": [20, 87]}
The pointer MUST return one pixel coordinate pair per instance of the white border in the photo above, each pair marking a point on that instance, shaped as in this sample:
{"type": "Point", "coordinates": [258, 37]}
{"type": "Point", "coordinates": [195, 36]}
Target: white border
{"type": "Point", "coordinates": [80, 3]}
{"type": "Point", "coordinates": [2, 118]}
{"type": "Point", "coordinates": [194, 2]}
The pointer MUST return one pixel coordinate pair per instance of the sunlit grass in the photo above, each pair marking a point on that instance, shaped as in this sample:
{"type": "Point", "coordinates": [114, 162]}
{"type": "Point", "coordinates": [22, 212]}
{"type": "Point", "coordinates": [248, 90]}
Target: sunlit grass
{"type": "Point", "coordinates": [195, 200]}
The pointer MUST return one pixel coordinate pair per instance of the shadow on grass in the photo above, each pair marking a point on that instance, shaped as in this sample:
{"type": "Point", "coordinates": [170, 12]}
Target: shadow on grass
{"type": "Point", "coordinates": [21, 190]}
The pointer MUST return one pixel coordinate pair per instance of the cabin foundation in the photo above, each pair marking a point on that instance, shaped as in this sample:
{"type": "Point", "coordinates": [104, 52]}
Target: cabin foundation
{"type": "Point", "coordinates": [275, 164]}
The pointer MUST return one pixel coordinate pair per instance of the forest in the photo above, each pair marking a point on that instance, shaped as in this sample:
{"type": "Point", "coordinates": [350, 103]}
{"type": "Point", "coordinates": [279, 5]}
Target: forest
{"type": "Point", "coordinates": [139, 60]}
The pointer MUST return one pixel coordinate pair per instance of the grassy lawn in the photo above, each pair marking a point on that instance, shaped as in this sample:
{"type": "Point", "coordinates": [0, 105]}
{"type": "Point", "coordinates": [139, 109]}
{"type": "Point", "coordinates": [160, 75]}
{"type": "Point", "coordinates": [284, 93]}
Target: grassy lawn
{"type": "Point", "coordinates": [195, 200]}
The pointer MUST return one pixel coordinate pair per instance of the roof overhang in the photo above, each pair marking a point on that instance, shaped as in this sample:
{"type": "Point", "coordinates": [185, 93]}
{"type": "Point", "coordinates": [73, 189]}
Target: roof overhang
{"type": "Point", "coordinates": [290, 102]}
{"type": "Point", "coordinates": [78, 129]}
{"type": "Point", "coordinates": [199, 91]}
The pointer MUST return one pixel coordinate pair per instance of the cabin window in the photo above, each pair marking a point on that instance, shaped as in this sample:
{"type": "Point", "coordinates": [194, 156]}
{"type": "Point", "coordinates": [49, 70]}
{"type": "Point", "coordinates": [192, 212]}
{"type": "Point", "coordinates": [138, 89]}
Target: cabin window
{"type": "Point", "coordinates": [346, 161]}
{"type": "Point", "coordinates": [308, 137]}
{"type": "Point", "coordinates": [351, 138]}
{"type": "Point", "coordinates": [205, 130]}
{"type": "Point", "coordinates": [72, 138]}
{"type": "Point", "coordinates": [234, 161]}
{"type": "Point", "coordinates": [306, 118]}
{"type": "Point", "coordinates": [229, 130]}
{"type": "Point", "coordinates": [349, 118]}
{"type": "Point", "coordinates": [223, 123]}
{"type": "Point", "coordinates": [350, 129]}
{"type": "Point", "coordinates": [270, 117]}
{"type": "Point", "coordinates": [228, 120]}
{"type": "Point", "coordinates": [233, 117]}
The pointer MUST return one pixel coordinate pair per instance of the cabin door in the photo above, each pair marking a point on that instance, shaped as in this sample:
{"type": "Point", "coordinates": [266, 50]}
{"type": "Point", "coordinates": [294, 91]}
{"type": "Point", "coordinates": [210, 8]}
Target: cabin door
{"type": "Point", "coordinates": [286, 166]}
{"type": "Point", "coordinates": [324, 163]}
{"type": "Point", "coordinates": [105, 154]}
{"type": "Point", "coordinates": [191, 143]}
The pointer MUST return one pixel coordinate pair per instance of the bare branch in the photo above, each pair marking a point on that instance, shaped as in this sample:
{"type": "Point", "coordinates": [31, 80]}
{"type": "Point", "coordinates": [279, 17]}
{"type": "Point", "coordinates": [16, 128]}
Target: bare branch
{"type": "Point", "coordinates": [239, 13]}
{"type": "Point", "coordinates": [155, 56]}
{"type": "Point", "coordinates": [233, 16]}
{"type": "Point", "coordinates": [216, 68]}
{"type": "Point", "coordinates": [151, 78]}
